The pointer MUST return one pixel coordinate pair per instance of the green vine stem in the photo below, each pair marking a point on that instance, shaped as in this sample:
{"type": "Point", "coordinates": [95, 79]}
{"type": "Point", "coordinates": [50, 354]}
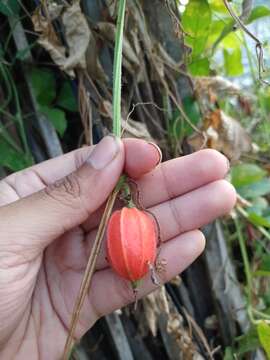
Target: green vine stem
{"type": "Point", "coordinates": [91, 264]}
{"type": "Point", "coordinates": [117, 68]}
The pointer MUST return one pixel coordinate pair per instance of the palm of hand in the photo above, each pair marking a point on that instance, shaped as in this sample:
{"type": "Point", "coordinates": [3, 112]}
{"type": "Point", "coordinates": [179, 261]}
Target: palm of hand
{"type": "Point", "coordinates": [41, 288]}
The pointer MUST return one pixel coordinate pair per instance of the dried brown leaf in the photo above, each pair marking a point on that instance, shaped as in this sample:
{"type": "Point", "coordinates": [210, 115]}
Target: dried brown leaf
{"type": "Point", "coordinates": [159, 313]}
{"type": "Point", "coordinates": [153, 305]}
{"type": "Point", "coordinates": [75, 30]}
{"type": "Point", "coordinates": [77, 35]}
{"type": "Point", "coordinates": [93, 65]}
{"type": "Point", "coordinates": [54, 10]}
{"type": "Point", "coordinates": [224, 134]}
{"type": "Point", "coordinates": [48, 38]}
{"type": "Point", "coordinates": [217, 84]}
{"type": "Point", "coordinates": [208, 90]}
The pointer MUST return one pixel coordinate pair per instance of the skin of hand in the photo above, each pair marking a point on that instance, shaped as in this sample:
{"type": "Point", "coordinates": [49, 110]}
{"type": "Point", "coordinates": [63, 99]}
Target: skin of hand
{"type": "Point", "coordinates": [48, 220]}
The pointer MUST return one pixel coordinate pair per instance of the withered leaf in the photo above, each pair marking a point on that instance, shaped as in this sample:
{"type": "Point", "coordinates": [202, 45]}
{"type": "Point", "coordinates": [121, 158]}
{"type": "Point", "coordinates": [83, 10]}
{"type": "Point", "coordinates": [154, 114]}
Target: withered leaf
{"type": "Point", "coordinates": [75, 31]}
{"type": "Point", "coordinates": [217, 84]}
{"type": "Point", "coordinates": [224, 134]}
{"type": "Point", "coordinates": [153, 305]}
{"type": "Point", "coordinates": [209, 90]}
{"type": "Point", "coordinates": [93, 65]}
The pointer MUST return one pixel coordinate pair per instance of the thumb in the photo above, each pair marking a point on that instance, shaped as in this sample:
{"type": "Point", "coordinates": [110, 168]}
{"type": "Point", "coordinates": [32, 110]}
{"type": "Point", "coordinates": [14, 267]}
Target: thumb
{"type": "Point", "coordinates": [33, 222]}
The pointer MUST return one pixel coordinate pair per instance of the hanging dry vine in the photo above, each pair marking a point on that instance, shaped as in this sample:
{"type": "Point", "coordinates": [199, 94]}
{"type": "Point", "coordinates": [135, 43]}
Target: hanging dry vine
{"type": "Point", "coordinates": [259, 45]}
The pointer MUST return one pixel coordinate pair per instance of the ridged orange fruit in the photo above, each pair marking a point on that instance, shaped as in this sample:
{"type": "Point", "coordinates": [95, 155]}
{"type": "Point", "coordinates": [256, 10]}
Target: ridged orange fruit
{"type": "Point", "coordinates": [131, 243]}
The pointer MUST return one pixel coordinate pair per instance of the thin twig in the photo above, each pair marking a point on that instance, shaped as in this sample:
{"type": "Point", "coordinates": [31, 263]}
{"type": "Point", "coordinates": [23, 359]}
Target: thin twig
{"type": "Point", "coordinates": [90, 268]}
{"type": "Point", "coordinates": [175, 19]}
{"type": "Point", "coordinates": [199, 333]}
{"type": "Point", "coordinates": [134, 107]}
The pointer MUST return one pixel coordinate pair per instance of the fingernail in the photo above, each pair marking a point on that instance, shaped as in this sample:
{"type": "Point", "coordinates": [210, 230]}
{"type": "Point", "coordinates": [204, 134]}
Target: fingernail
{"type": "Point", "coordinates": [104, 152]}
{"type": "Point", "coordinates": [159, 153]}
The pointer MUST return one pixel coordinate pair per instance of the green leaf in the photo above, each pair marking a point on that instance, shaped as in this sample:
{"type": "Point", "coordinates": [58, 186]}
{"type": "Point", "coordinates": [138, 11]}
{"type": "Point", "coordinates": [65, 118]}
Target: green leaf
{"type": "Point", "coordinates": [216, 29]}
{"type": "Point", "coordinates": [265, 265]}
{"type": "Point", "coordinates": [264, 337]}
{"type": "Point", "coordinates": [196, 22]}
{"type": "Point", "coordinates": [199, 67]}
{"type": "Point", "coordinates": [232, 41]}
{"type": "Point", "coordinates": [258, 220]}
{"type": "Point", "coordinates": [66, 98]}
{"type": "Point", "coordinates": [233, 62]}
{"type": "Point", "coordinates": [13, 159]}
{"type": "Point", "coordinates": [228, 354]}
{"type": "Point", "coordinates": [57, 117]}
{"type": "Point", "coordinates": [264, 98]}
{"type": "Point", "coordinates": [261, 273]}
{"type": "Point", "coordinates": [218, 6]}
{"type": "Point", "coordinates": [44, 85]}
{"type": "Point", "coordinates": [254, 190]}
{"type": "Point", "coordinates": [266, 299]}
{"type": "Point", "coordinates": [179, 127]}
{"type": "Point", "coordinates": [5, 9]}
{"type": "Point", "coordinates": [224, 31]}
{"type": "Point", "coordinates": [258, 12]}
{"type": "Point", "coordinates": [248, 342]}
{"type": "Point", "coordinates": [246, 174]}
{"type": "Point", "coordinates": [264, 269]}
{"type": "Point", "coordinates": [9, 7]}
{"type": "Point", "coordinates": [192, 111]}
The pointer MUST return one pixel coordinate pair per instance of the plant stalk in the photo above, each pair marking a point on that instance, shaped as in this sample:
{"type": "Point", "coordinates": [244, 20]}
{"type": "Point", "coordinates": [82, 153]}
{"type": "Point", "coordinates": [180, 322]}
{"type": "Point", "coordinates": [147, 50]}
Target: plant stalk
{"type": "Point", "coordinates": [117, 68]}
{"type": "Point", "coordinates": [91, 264]}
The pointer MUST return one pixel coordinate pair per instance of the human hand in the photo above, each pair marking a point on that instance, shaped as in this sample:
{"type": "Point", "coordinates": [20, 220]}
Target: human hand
{"type": "Point", "coordinates": [48, 220]}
